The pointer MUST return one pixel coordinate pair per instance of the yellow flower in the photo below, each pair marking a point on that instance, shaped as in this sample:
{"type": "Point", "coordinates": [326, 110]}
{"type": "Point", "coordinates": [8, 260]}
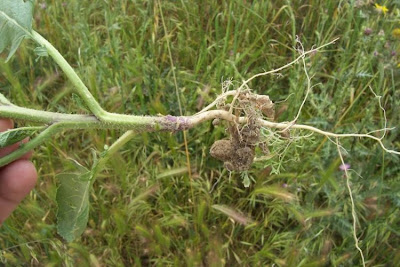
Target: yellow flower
{"type": "Point", "coordinates": [381, 9]}
{"type": "Point", "coordinates": [396, 33]}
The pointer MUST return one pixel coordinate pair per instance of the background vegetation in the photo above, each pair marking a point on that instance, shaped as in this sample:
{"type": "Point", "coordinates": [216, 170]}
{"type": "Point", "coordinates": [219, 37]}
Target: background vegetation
{"type": "Point", "coordinates": [146, 208]}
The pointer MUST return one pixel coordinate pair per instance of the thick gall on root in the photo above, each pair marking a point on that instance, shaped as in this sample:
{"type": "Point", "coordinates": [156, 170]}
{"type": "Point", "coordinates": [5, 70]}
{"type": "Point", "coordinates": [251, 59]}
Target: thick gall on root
{"type": "Point", "coordinates": [238, 151]}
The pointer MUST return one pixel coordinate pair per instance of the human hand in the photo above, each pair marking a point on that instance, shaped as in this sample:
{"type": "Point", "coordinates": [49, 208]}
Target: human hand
{"type": "Point", "coordinates": [17, 179]}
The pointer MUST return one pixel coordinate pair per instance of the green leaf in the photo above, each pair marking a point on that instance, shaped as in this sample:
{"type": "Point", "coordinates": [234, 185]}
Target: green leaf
{"type": "Point", "coordinates": [15, 23]}
{"type": "Point", "coordinates": [246, 179]}
{"type": "Point", "coordinates": [15, 135]}
{"type": "Point", "coordinates": [40, 51]}
{"type": "Point", "coordinates": [73, 202]}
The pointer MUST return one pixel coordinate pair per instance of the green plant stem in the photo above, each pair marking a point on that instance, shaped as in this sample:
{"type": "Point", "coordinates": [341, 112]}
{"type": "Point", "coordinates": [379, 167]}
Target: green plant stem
{"type": "Point", "coordinates": [58, 122]}
{"type": "Point", "coordinates": [75, 121]}
{"type": "Point", "coordinates": [125, 138]}
{"type": "Point", "coordinates": [121, 141]}
{"type": "Point", "coordinates": [114, 121]}
{"type": "Point", "coordinates": [37, 141]}
{"type": "Point", "coordinates": [32, 115]}
{"type": "Point", "coordinates": [54, 129]}
{"type": "Point", "coordinates": [80, 87]}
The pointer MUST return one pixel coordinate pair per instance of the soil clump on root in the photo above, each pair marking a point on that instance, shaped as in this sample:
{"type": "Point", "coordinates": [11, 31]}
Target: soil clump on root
{"type": "Point", "coordinates": [238, 151]}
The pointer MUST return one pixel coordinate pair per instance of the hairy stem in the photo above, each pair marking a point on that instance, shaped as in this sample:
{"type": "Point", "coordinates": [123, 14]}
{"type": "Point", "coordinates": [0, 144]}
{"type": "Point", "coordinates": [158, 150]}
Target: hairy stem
{"type": "Point", "coordinates": [84, 93]}
{"type": "Point", "coordinates": [80, 87]}
{"type": "Point", "coordinates": [117, 145]}
{"type": "Point", "coordinates": [25, 148]}
{"type": "Point", "coordinates": [46, 117]}
{"type": "Point", "coordinates": [113, 121]}
{"type": "Point", "coordinates": [140, 124]}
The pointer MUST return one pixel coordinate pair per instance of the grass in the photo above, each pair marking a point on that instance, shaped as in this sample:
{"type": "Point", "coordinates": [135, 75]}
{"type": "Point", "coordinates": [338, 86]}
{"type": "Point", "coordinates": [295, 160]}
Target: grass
{"type": "Point", "coordinates": [144, 209]}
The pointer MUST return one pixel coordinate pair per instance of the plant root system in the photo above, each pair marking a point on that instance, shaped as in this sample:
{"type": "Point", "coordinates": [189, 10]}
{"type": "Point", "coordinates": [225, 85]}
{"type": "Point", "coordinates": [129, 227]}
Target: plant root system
{"type": "Point", "coordinates": [238, 151]}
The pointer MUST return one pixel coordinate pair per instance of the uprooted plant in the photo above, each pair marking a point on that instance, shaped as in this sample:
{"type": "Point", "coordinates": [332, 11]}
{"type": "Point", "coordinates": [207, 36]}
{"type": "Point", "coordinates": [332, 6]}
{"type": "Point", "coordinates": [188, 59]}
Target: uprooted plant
{"type": "Point", "coordinates": [243, 113]}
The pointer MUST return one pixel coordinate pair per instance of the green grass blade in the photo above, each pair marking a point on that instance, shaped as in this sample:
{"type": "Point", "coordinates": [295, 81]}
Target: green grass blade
{"type": "Point", "coordinates": [233, 214]}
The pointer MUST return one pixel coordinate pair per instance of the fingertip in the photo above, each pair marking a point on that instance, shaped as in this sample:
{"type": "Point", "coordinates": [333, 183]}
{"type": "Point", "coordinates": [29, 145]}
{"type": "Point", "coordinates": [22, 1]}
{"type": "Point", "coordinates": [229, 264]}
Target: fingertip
{"type": "Point", "coordinates": [6, 124]}
{"type": "Point", "coordinates": [17, 180]}
{"type": "Point", "coordinates": [8, 149]}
